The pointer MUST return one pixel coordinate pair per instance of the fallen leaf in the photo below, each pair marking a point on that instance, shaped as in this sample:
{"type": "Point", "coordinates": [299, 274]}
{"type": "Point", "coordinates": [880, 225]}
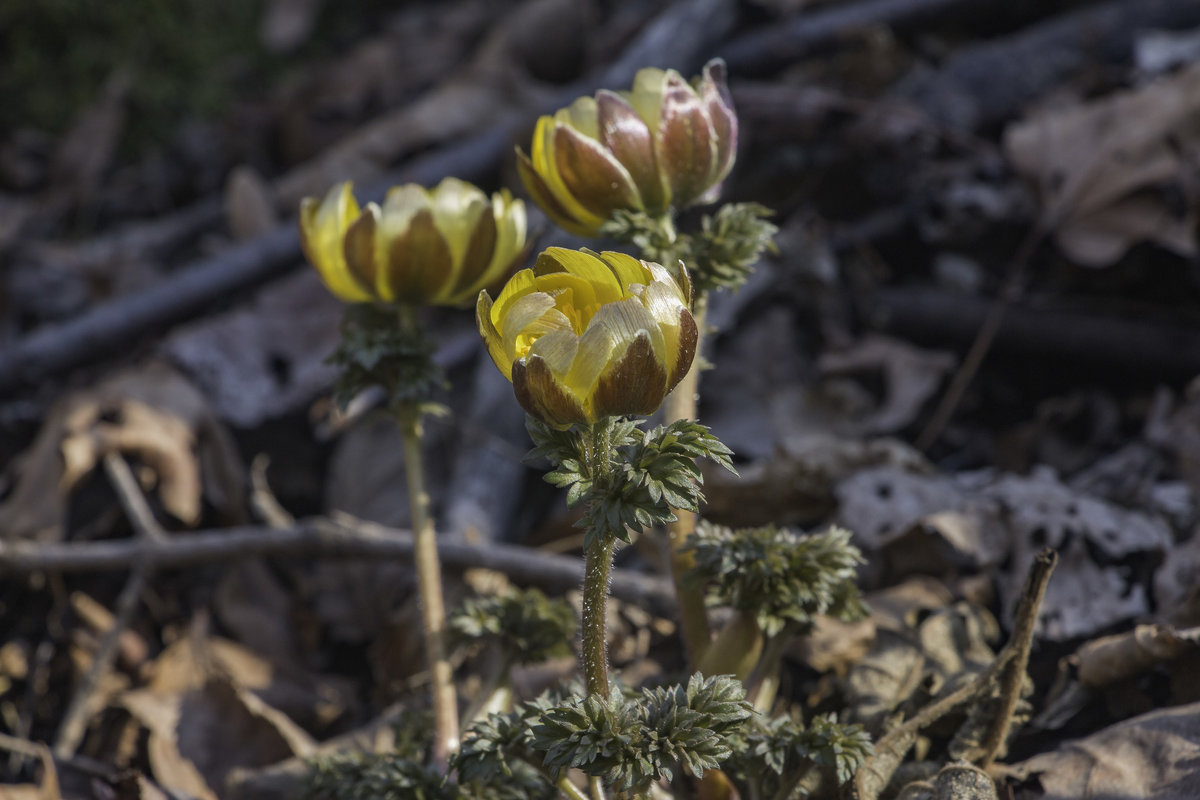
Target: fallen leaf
{"type": "Point", "coordinates": [911, 376]}
{"type": "Point", "coordinates": [1150, 756]}
{"type": "Point", "coordinates": [1118, 170]}
{"type": "Point", "coordinates": [151, 414]}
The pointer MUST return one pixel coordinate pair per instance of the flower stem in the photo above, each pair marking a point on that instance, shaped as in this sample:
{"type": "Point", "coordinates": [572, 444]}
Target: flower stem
{"type": "Point", "coordinates": [569, 790]}
{"type": "Point", "coordinates": [429, 581]}
{"type": "Point", "coordinates": [597, 568]}
{"type": "Point", "coordinates": [693, 615]}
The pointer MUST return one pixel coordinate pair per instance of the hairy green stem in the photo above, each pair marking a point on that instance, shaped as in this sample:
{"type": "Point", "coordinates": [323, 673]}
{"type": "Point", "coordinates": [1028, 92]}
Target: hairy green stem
{"type": "Point", "coordinates": [429, 581]}
{"type": "Point", "coordinates": [693, 613]}
{"type": "Point", "coordinates": [597, 569]}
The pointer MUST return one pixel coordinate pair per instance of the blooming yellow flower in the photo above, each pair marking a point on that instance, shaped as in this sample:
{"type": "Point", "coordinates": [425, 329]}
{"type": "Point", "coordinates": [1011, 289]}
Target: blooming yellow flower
{"type": "Point", "coordinates": [584, 336]}
{"type": "Point", "coordinates": [439, 246]}
{"type": "Point", "coordinates": [664, 144]}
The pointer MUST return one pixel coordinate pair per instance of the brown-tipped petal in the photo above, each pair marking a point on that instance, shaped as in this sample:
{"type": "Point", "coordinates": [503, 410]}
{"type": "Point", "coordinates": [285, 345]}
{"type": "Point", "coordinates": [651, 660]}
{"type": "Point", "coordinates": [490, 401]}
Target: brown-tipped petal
{"type": "Point", "coordinates": [419, 263]}
{"type": "Point", "coordinates": [475, 260]}
{"type": "Point", "coordinates": [719, 103]}
{"type": "Point", "coordinates": [491, 336]}
{"type": "Point", "coordinates": [544, 397]}
{"type": "Point", "coordinates": [629, 139]}
{"type": "Point", "coordinates": [362, 257]}
{"type": "Point", "coordinates": [541, 194]}
{"type": "Point", "coordinates": [592, 175]}
{"type": "Point", "coordinates": [686, 147]}
{"type": "Point", "coordinates": [689, 336]}
{"type": "Point", "coordinates": [635, 384]}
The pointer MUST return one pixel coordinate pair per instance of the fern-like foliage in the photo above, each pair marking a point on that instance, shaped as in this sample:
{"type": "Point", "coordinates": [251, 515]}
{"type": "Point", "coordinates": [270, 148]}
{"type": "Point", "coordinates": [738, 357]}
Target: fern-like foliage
{"type": "Point", "coordinates": [374, 776]}
{"type": "Point", "coordinates": [786, 579]}
{"type": "Point", "coordinates": [723, 254]}
{"type": "Point", "coordinates": [772, 754]}
{"type": "Point", "coordinates": [528, 626]}
{"type": "Point", "coordinates": [720, 256]}
{"type": "Point", "coordinates": [646, 475]}
{"type": "Point", "coordinates": [375, 350]}
{"type": "Point", "coordinates": [500, 751]}
{"type": "Point", "coordinates": [631, 742]}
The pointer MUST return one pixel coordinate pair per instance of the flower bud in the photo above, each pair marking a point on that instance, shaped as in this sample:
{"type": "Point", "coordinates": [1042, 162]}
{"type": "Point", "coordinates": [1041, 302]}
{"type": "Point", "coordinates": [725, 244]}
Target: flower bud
{"type": "Point", "coordinates": [664, 144]}
{"type": "Point", "coordinates": [584, 336]}
{"type": "Point", "coordinates": [439, 246]}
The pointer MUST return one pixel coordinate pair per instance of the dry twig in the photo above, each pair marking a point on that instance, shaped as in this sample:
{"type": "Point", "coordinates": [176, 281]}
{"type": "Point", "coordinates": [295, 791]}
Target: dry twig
{"type": "Point", "coordinates": [78, 713]}
{"type": "Point", "coordinates": [339, 537]}
{"type": "Point", "coordinates": [890, 750]}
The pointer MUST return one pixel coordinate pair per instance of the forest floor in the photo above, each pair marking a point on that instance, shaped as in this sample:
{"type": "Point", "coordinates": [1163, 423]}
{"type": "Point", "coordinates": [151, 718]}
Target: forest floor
{"type": "Point", "coordinates": [977, 338]}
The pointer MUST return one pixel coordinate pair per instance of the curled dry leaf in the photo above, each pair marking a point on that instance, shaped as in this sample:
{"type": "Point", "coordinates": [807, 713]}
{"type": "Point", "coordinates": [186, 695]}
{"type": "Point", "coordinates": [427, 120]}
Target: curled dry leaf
{"type": "Point", "coordinates": [150, 414]}
{"type": "Point", "coordinates": [911, 376]}
{"type": "Point", "coordinates": [1117, 171]}
{"type": "Point", "coordinates": [1153, 755]}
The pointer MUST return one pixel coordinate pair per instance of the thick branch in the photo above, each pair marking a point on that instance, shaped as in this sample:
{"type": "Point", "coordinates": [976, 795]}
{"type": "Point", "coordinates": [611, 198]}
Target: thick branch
{"type": "Point", "coordinates": [340, 537]}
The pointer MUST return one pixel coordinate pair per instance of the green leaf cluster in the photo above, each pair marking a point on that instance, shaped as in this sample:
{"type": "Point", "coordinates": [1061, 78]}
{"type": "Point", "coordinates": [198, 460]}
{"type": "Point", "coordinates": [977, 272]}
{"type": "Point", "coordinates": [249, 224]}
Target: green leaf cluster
{"type": "Point", "coordinates": [375, 776]}
{"type": "Point", "coordinates": [528, 626]}
{"type": "Point", "coordinates": [499, 750]}
{"type": "Point", "coordinates": [376, 350]}
{"type": "Point", "coordinates": [779, 757]}
{"type": "Point", "coordinates": [631, 742]}
{"type": "Point", "coordinates": [784, 578]}
{"type": "Point", "coordinates": [637, 480]}
{"type": "Point", "coordinates": [721, 255]}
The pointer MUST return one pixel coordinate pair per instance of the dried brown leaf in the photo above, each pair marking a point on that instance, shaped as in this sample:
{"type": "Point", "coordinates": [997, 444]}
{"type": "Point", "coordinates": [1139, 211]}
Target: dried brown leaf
{"type": "Point", "coordinates": [1151, 756]}
{"type": "Point", "coordinates": [151, 414]}
{"type": "Point", "coordinates": [1111, 173]}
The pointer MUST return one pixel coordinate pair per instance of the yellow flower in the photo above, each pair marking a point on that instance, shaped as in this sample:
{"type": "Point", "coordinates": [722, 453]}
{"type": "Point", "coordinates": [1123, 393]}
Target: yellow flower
{"type": "Point", "coordinates": [664, 144]}
{"type": "Point", "coordinates": [585, 336]}
{"type": "Point", "coordinates": [439, 246]}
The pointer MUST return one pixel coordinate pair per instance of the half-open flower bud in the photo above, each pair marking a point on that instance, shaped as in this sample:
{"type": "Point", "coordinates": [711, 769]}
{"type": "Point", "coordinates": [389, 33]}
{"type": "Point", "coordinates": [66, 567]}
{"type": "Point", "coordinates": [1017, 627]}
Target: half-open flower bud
{"type": "Point", "coordinates": [666, 143]}
{"type": "Point", "coordinates": [584, 336]}
{"type": "Point", "coordinates": [422, 246]}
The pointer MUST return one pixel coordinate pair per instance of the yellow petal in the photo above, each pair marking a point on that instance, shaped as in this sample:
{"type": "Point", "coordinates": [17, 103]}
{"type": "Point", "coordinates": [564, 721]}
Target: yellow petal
{"type": "Point", "coordinates": [544, 164]}
{"type": "Point", "coordinates": [491, 336]}
{"type": "Point", "coordinates": [517, 287]}
{"type": "Point", "coordinates": [628, 269]}
{"type": "Point", "coordinates": [322, 228]}
{"type": "Point", "coordinates": [647, 94]}
{"type": "Point", "coordinates": [589, 267]}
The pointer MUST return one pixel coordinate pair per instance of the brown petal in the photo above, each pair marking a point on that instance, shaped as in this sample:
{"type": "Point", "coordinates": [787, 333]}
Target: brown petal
{"type": "Point", "coordinates": [359, 249]}
{"type": "Point", "coordinates": [544, 397]}
{"type": "Point", "coordinates": [628, 136]}
{"type": "Point", "coordinates": [719, 103]}
{"type": "Point", "coordinates": [419, 262]}
{"type": "Point", "coordinates": [689, 335]}
{"type": "Point", "coordinates": [687, 151]}
{"type": "Point", "coordinates": [591, 174]}
{"type": "Point", "coordinates": [541, 194]}
{"type": "Point", "coordinates": [478, 254]}
{"type": "Point", "coordinates": [636, 384]}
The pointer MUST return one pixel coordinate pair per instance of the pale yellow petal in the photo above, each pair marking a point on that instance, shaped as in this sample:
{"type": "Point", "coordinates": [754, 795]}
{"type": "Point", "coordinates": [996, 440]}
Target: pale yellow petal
{"type": "Point", "coordinates": [322, 228]}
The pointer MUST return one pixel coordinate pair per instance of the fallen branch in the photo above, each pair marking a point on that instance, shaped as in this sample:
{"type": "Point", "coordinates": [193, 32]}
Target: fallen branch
{"type": "Point", "coordinates": [988, 83]}
{"type": "Point", "coordinates": [773, 47]}
{"type": "Point", "coordinates": [1041, 331]}
{"type": "Point", "coordinates": [79, 711]}
{"type": "Point", "coordinates": [341, 536]}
